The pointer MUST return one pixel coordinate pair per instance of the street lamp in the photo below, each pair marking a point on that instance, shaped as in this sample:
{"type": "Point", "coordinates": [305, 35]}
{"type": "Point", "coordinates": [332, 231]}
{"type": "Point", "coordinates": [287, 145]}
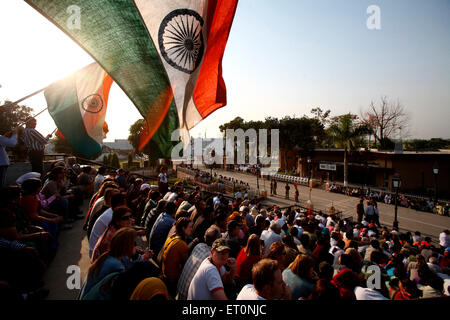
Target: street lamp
{"type": "Point", "coordinates": [396, 183]}
{"type": "Point", "coordinates": [310, 176]}
{"type": "Point", "coordinates": [436, 172]}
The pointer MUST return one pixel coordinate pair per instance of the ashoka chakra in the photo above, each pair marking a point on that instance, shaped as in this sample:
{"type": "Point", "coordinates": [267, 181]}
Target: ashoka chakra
{"type": "Point", "coordinates": [181, 40]}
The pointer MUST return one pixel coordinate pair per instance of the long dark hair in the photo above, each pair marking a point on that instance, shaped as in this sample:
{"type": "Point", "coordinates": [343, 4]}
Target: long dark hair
{"type": "Point", "coordinates": [181, 223]}
{"type": "Point", "coordinates": [53, 174]}
{"type": "Point", "coordinates": [118, 213]}
{"type": "Point", "coordinates": [122, 244]}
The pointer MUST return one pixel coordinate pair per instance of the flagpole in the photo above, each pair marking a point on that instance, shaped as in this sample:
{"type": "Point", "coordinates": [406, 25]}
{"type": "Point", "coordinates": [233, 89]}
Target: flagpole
{"type": "Point", "coordinates": [24, 98]}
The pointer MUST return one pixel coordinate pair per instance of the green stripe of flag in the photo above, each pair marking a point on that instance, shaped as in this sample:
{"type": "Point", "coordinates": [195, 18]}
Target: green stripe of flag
{"type": "Point", "coordinates": [113, 33]}
{"type": "Point", "coordinates": [62, 104]}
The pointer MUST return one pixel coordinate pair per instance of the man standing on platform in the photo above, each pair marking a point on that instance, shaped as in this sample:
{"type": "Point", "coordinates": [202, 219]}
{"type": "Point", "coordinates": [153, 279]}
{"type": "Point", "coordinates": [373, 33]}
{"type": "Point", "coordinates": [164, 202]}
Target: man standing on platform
{"type": "Point", "coordinates": [35, 143]}
{"type": "Point", "coordinates": [360, 210]}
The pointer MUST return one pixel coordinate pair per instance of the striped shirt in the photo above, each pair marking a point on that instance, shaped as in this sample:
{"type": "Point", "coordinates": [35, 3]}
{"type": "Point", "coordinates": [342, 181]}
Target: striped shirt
{"type": "Point", "coordinates": [11, 244]}
{"type": "Point", "coordinates": [34, 140]}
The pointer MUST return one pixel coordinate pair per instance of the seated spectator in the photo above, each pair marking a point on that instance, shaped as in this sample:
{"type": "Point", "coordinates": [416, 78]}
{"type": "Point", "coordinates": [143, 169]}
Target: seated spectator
{"type": "Point", "coordinates": [267, 284]}
{"type": "Point", "coordinates": [122, 218]}
{"type": "Point", "coordinates": [324, 290]}
{"type": "Point", "coordinates": [30, 205]}
{"type": "Point", "coordinates": [161, 228]}
{"type": "Point", "coordinates": [175, 253]}
{"type": "Point", "coordinates": [291, 249]}
{"type": "Point", "coordinates": [105, 205]}
{"type": "Point", "coordinates": [86, 182]}
{"type": "Point", "coordinates": [277, 252]}
{"type": "Point", "coordinates": [15, 226]}
{"type": "Point", "coordinates": [232, 236]}
{"type": "Point", "coordinates": [63, 205]}
{"type": "Point", "coordinates": [121, 245]}
{"type": "Point", "coordinates": [248, 256]}
{"type": "Point", "coordinates": [126, 282]}
{"type": "Point", "coordinates": [21, 270]}
{"type": "Point", "coordinates": [200, 252]}
{"type": "Point", "coordinates": [272, 235]}
{"type": "Point", "coordinates": [102, 223]}
{"type": "Point", "coordinates": [98, 181]}
{"type": "Point", "coordinates": [208, 281]}
{"type": "Point", "coordinates": [151, 202]}
{"type": "Point", "coordinates": [150, 289]}
{"type": "Point", "coordinates": [300, 276]}
{"type": "Point", "coordinates": [346, 281]}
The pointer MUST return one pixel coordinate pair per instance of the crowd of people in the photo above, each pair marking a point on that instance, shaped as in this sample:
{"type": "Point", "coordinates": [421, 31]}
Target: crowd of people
{"type": "Point", "coordinates": [170, 242]}
{"type": "Point", "coordinates": [416, 203]}
{"type": "Point", "coordinates": [34, 212]}
{"type": "Point", "coordinates": [202, 246]}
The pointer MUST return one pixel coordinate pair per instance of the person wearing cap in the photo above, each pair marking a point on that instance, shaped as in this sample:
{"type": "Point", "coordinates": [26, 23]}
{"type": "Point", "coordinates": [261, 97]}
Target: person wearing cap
{"type": "Point", "coordinates": [200, 252]}
{"type": "Point", "coordinates": [272, 235]}
{"type": "Point", "coordinates": [208, 281]}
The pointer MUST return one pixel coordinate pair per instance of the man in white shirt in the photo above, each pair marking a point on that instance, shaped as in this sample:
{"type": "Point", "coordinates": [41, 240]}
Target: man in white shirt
{"type": "Point", "coordinates": [103, 221]}
{"type": "Point", "coordinates": [207, 283]}
{"type": "Point", "coordinates": [368, 294]}
{"type": "Point", "coordinates": [99, 178]}
{"type": "Point", "coordinates": [272, 235]}
{"type": "Point", "coordinates": [267, 284]}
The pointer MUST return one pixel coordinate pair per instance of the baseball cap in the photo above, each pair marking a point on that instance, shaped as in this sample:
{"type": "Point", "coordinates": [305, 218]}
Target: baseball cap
{"type": "Point", "coordinates": [145, 186]}
{"type": "Point", "coordinates": [221, 245]}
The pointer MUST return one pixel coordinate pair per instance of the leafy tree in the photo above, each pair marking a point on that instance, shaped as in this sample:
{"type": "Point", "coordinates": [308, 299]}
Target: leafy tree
{"type": "Point", "coordinates": [106, 160]}
{"type": "Point", "coordinates": [11, 116]}
{"type": "Point", "coordinates": [115, 160]}
{"type": "Point", "coordinates": [346, 131]}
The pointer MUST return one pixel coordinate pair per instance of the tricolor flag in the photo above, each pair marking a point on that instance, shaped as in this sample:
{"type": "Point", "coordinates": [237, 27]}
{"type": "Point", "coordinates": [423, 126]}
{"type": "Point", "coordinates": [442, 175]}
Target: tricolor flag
{"type": "Point", "coordinates": [166, 55]}
{"type": "Point", "coordinates": [78, 104]}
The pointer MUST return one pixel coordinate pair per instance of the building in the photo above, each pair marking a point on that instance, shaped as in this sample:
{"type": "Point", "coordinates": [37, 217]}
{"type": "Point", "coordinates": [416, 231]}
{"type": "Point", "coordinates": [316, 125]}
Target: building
{"type": "Point", "coordinates": [376, 168]}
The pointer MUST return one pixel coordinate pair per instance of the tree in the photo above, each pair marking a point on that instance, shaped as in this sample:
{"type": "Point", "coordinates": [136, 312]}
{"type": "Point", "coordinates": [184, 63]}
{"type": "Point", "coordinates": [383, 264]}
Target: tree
{"type": "Point", "coordinates": [106, 160]}
{"type": "Point", "coordinates": [346, 131]}
{"type": "Point", "coordinates": [385, 120]}
{"type": "Point", "coordinates": [11, 116]}
{"type": "Point", "coordinates": [115, 160]}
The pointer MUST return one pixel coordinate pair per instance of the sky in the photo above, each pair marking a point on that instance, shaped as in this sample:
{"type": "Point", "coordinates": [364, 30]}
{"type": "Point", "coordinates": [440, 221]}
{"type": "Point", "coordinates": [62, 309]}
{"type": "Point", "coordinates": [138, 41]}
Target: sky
{"type": "Point", "coordinates": [283, 58]}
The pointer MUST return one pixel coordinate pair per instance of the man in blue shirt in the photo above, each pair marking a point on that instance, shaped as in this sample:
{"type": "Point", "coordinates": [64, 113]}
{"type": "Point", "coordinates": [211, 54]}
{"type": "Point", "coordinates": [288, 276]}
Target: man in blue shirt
{"type": "Point", "coordinates": [162, 227]}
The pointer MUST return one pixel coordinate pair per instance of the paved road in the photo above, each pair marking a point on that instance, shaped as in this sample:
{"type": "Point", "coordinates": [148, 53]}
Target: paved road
{"type": "Point", "coordinates": [409, 220]}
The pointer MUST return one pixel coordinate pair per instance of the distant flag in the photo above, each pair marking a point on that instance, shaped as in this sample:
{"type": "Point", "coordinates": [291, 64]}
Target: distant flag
{"type": "Point", "coordinates": [165, 55]}
{"type": "Point", "coordinates": [78, 105]}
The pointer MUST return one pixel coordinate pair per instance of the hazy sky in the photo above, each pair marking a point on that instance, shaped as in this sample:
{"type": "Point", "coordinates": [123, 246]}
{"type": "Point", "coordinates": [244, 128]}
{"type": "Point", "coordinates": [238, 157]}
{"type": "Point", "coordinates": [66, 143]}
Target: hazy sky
{"type": "Point", "coordinates": [283, 57]}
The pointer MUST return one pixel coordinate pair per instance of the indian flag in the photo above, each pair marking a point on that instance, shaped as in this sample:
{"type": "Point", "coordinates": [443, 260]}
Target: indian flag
{"type": "Point", "coordinates": [165, 55]}
{"type": "Point", "coordinates": [78, 104]}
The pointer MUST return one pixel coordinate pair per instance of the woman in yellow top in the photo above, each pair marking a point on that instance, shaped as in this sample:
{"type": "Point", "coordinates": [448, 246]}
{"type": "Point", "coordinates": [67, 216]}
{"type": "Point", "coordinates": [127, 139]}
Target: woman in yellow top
{"type": "Point", "coordinates": [175, 253]}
